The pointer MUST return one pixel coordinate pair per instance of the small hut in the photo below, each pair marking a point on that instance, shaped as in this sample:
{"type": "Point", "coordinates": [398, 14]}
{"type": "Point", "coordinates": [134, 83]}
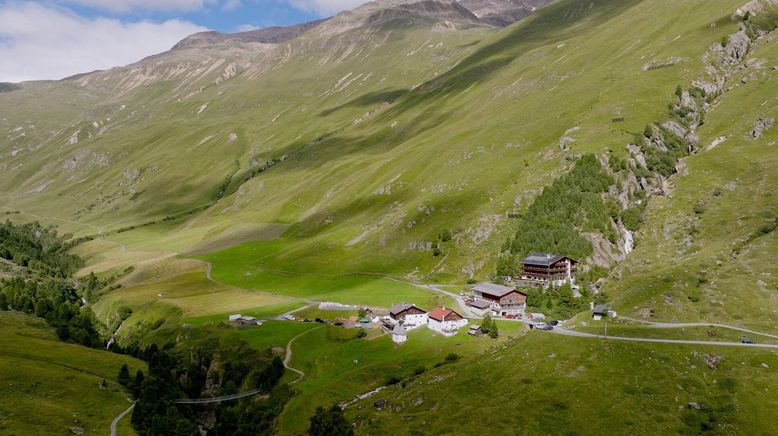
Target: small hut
{"type": "Point", "coordinates": [399, 335]}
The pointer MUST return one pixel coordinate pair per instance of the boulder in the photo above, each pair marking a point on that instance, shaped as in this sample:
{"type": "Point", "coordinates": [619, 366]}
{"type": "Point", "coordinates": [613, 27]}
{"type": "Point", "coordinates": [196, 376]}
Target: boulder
{"type": "Point", "coordinates": [737, 47]}
{"type": "Point", "coordinates": [675, 128]}
{"type": "Point", "coordinates": [760, 126]}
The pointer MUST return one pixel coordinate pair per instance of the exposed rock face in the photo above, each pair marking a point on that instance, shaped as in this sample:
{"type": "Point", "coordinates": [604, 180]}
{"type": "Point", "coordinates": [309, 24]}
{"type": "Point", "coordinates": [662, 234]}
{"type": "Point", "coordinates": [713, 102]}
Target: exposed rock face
{"type": "Point", "coordinates": [760, 126]}
{"type": "Point", "coordinates": [269, 35]}
{"type": "Point", "coordinates": [756, 7]}
{"type": "Point", "coordinates": [502, 13]}
{"type": "Point", "coordinates": [737, 47]}
{"type": "Point", "coordinates": [440, 10]}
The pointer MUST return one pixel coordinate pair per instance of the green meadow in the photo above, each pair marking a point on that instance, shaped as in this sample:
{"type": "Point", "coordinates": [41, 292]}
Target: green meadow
{"type": "Point", "coordinates": [561, 385]}
{"type": "Point", "coordinates": [49, 386]}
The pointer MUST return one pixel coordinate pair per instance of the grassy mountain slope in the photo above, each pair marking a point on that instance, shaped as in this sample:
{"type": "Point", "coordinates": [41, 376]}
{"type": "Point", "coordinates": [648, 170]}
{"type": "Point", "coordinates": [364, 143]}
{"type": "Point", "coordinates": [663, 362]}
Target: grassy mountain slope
{"type": "Point", "coordinates": [707, 251]}
{"type": "Point", "coordinates": [548, 384]}
{"type": "Point", "coordinates": [44, 377]}
{"type": "Point", "coordinates": [378, 161]}
{"type": "Point", "coordinates": [328, 166]}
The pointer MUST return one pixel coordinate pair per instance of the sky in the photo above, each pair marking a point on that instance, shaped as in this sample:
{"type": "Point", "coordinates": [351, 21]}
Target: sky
{"type": "Point", "coordinates": [53, 39]}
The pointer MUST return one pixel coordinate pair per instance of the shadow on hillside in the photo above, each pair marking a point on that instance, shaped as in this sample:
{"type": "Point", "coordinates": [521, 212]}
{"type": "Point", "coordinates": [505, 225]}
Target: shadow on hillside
{"type": "Point", "coordinates": [369, 99]}
{"type": "Point", "coordinates": [554, 23]}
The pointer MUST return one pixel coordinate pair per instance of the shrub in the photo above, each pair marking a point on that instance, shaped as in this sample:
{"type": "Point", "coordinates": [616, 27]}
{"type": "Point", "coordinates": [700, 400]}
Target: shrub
{"type": "Point", "coordinates": [452, 357]}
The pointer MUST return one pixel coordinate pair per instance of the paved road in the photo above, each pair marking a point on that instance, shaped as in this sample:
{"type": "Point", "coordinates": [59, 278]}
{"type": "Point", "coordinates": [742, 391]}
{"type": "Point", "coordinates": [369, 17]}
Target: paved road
{"type": "Point", "coordinates": [460, 301]}
{"type": "Point", "coordinates": [116, 420]}
{"type": "Point", "coordinates": [561, 331]}
{"type": "Point", "coordinates": [670, 325]}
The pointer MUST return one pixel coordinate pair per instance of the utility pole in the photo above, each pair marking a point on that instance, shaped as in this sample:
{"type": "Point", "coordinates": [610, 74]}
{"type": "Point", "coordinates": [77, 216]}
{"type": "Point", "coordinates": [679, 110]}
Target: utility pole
{"type": "Point", "coordinates": [606, 328]}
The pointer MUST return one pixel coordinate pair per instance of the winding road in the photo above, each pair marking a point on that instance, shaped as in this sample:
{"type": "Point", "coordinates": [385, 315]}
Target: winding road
{"type": "Point", "coordinates": [288, 356]}
{"type": "Point", "coordinates": [565, 332]}
{"type": "Point", "coordinates": [119, 417]}
{"type": "Point", "coordinates": [671, 325]}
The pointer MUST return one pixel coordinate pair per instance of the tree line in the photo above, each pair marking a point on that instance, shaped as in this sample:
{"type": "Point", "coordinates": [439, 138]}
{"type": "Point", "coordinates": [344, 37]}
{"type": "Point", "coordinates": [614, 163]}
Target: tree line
{"type": "Point", "coordinates": [205, 366]}
{"type": "Point", "coordinates": [554, 221]}
{"type": "Point", "coordinates": [38, 248]}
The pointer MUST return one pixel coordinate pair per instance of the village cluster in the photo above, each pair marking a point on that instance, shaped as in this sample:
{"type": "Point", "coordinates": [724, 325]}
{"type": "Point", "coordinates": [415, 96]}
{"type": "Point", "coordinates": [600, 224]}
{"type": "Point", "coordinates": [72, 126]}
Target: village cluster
{"type": "Point", "coordinates": [501, 301]}
{"type": "Point", "coordinates": [506, 300]}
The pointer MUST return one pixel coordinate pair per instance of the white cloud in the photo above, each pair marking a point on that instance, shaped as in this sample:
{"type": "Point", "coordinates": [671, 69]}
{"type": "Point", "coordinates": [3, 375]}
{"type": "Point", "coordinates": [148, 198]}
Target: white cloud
{"type": "Point", "coordinates": [325, 7]}
{"type": "Point", "coordinates": [145, 5]}
{"type": "Point", "coordinates": [44, 42]}
{"type": "Point", "coordinates": [231, 5]}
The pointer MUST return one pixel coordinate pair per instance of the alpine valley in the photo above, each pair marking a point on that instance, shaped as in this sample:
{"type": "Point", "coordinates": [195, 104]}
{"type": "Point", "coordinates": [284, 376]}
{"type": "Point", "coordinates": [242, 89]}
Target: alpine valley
{"type": "Point", "coordinates": [415, 217]}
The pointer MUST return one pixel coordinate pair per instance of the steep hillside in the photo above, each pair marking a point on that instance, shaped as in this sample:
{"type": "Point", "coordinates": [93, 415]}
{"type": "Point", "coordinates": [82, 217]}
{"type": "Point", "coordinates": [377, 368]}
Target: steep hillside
{"type": "Point", "coordinates": [707, 251]}
{"type": "Point", "coordinates": [372, 157]}
{"type": "Point", "coordinates": [396, 151]}
{"type": "Point", "coordinates": [71, 385]}
{"type": "Point", "coordinates": [547, 384]}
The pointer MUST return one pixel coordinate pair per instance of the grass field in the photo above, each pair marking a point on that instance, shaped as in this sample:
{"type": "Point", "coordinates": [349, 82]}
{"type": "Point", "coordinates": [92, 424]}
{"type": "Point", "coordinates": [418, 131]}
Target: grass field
{"type": "Point", "coordinates": [49, 385]}
{"type": "Point", "coordinates": [242, 266]}
{"type": "Point", "coordinates": [338, 366]}
{"type": "Point", "coordinates": [549, 384]}
{"type": "Point", "coordinates": [189, 295]}
{"type": "Point", "coordinates": [261, 312]}
{"type": "Point", "coordinates": [688, 333]}
{"type": "Point", "coordinates": [273, 333]}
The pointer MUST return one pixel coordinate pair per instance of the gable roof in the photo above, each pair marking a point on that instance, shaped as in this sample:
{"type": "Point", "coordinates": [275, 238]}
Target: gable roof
{"type": "Point", "coordinates": [402, 307]}
{"type": "Point", "coordinates": [542, 259]}
{"type": "Point", "coordinates": [479, 304]}
{"type": "Point", "coordinates": [498, 291]}
{"type": "Point", "coordinates": [440, 313]}
{"type": "Point", "coordinates": [600, 309]}
{"type": "Point", "coordinates": [399, 330]}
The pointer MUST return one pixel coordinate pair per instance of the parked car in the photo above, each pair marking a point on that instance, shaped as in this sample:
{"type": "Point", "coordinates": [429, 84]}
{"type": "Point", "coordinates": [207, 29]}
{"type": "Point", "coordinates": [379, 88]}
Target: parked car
{"type": "Point", "coordinates": [544, 326]}
{"type": "Point", "coordinates": [319, 320]}
{"type": "Point", "coordinates": [747, 340]}
{"type": "Point", "coordinates": [554, 322]}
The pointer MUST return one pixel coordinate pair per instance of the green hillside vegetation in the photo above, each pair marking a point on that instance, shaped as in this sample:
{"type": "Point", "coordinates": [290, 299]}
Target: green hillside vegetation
{"type": "Point", "coordinates": [71, 385]}
{"type": "Point", "coordinates": [359, 164]}
{"type": "Point", "coordinates": [37, 248]}
{"type": "Point", "coordinates": [339, 366]}
{"type": "Point", "coordinates": [573, 386]}
{"type": "Point", "coordinates": [706, 252]}
{"type": "Point", "coordinates": [411, 169]}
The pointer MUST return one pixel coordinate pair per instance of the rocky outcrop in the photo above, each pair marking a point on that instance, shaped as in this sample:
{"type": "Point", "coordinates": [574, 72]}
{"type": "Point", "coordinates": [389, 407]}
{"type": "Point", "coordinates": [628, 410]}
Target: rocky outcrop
{"type": "Point", "coordinates": [760, 126]}
{"type": "Point", "coordinates": [269, 35]}
{"type": "Point", "coordinates": [501, 13]}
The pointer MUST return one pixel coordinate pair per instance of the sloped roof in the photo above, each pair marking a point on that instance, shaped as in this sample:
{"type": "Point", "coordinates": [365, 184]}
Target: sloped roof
{"type": "Point", "coordinates": [479, 304]}
{"type": "Point", "coordinates": [600, 309]}
{"type": "Point", "coordinates": [542, 259]}
{"type": "Point", "coordinates": [492, 289]}
{"type": "Point", "coordinates": [440, 313]}
{"type": "Point", "coordinates": [399, 329]}
{"type": "Point", "coordinates": [402, 307]}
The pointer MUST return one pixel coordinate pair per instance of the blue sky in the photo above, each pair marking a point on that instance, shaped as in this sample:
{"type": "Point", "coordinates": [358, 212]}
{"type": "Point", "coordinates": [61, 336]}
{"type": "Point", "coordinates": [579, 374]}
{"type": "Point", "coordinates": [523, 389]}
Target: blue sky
{"type": "Point", "coordinates": [223, 16]}
{"type": "Point", "coordinates": [53, 39]}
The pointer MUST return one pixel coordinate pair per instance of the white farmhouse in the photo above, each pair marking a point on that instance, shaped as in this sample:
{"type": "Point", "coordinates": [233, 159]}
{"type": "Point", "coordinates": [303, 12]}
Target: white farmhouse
{"type": "Point", "coordinates": [408, 315]}
{"type": "Point", "coordinates": [445, 321]}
